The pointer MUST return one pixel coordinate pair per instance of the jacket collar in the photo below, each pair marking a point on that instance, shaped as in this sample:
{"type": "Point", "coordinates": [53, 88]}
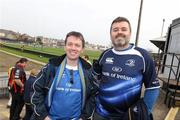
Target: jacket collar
{"type": "Point", "coordinates": [58, 60]}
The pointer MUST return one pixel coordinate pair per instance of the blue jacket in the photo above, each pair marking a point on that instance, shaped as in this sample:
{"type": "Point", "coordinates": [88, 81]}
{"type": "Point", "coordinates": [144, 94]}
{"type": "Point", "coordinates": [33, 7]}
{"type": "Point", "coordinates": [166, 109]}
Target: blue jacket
{"type": "Point", "coordinates": [43, 83]}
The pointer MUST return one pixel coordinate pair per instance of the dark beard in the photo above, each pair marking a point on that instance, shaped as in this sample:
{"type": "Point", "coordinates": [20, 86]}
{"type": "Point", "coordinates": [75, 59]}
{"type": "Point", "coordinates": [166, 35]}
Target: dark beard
{"type": "Point", "coordinates": [120, 45]}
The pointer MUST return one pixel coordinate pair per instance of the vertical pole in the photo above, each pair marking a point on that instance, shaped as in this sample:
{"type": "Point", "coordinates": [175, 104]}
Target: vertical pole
{"type": "Point", "coordinates": [162, 27]}
{"type": "Point", "coordinates": [139, 22]}
{"type": "Point", "coordinates": [159, 50]}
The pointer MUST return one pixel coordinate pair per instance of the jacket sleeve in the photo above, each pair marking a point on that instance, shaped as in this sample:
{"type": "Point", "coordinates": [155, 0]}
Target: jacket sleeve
{"type": "Point", "coordinates": [96, 71]}
{"type": "Point", "coordinates": [39, 94]}
{"type": "Point", "coordinates": [90, 99]}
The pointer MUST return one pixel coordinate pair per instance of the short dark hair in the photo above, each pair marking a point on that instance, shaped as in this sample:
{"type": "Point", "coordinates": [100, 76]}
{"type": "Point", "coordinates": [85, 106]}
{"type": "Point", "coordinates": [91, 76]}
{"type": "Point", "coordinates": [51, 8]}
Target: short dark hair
{"type": "Point", "coordinates": [76, 34]}
{"type": "Point", "coordinates": [120, 19]}
{"type": "Point", "coordinates": [86, 56]}
{"type": "Point", "coordinates": [22, 60]}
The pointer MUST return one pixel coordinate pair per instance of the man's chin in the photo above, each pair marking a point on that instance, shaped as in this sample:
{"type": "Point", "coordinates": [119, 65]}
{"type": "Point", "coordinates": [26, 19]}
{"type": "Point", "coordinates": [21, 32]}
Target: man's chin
{"type": "Point", "coordinates": [73, 58]}
{"type": "Point", "coordinates": [119, 44]}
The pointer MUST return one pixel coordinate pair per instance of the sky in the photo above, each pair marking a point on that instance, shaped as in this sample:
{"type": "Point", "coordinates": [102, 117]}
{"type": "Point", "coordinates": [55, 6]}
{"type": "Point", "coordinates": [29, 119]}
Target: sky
{"type": "Point", "coordinates": [55, 18]}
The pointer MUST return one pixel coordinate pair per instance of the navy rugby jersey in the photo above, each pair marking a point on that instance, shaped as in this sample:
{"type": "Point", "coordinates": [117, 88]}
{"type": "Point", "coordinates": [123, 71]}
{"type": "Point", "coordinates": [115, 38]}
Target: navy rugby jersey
{"type": "Point", "coordinates": [123, 73]}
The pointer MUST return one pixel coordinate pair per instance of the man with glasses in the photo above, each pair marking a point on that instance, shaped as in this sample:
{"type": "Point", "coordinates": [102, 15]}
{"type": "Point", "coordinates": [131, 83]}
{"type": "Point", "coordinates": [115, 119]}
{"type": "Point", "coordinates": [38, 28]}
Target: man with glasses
{"type": "Point", "coordinates": [64, 84]}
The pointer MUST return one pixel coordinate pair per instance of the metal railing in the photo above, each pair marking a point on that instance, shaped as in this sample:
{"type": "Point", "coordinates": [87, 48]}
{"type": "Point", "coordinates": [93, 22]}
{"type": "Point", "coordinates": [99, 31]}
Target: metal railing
{"type": "Point", "coordinates": [171, 84]}
{"type": "Point", "coordinates": [4, 92]}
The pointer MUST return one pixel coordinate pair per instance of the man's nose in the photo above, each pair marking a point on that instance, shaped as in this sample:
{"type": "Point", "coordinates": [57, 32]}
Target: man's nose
{"type": "Point", "coordinates": [73, 47]}
{"type": "Point", "coordinates": [119, 31]}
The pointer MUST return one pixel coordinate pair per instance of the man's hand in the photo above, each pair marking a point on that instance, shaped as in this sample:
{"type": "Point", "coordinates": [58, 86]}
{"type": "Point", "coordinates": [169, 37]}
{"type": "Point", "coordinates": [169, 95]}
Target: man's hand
{"type": "Point", "coordinates": [19, 83]}
{"type": "Point", "coordinates": [96, 67]}
{"type": "Point", "coordinates": [47, 118]}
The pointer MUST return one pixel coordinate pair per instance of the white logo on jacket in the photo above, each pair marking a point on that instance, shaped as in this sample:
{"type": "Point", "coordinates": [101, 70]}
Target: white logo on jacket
{"type": "Point", "coordinates": [109, 60]}
{"type": "Point", "coordinates": [116, 69]}
{"type": "Point", "coordinates": [130, 62]}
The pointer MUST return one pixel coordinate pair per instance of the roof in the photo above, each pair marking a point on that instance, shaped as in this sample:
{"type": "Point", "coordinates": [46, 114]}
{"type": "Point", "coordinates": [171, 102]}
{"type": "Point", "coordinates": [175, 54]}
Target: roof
{"type": "Point", "coordinates": [159, 42]}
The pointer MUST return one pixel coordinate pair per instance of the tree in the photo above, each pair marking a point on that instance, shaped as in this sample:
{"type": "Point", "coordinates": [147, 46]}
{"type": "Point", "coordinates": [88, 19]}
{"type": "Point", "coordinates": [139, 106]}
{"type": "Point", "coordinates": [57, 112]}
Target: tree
{"type": "Point", "coordinates": [39, 41]}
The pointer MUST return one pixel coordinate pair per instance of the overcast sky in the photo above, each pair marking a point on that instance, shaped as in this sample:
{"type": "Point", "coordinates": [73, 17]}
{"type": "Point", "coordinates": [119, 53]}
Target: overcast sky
{"type": "Point", "coordinates": [55, 18]}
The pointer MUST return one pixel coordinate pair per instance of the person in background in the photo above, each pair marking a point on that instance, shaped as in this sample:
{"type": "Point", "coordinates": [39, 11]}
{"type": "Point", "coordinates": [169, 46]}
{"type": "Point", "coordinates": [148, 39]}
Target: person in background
{"type": "Point", "coordinates": [10, 80]}
{"type": "Point", "coordinates": [17, 90]}
{"type": "Point", "coordinates": [28, 93]}
{"type": "Point", "coordinates": [120, 73]}
{"type": "Point", "coordinates": [86, 57]}
{"type": "Point", "coordinates": [62, 90]}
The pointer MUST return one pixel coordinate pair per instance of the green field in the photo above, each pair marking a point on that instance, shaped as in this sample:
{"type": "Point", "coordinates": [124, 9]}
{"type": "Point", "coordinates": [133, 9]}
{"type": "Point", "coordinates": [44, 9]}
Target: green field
{"type": "Point", "coordinates": [55, 51]}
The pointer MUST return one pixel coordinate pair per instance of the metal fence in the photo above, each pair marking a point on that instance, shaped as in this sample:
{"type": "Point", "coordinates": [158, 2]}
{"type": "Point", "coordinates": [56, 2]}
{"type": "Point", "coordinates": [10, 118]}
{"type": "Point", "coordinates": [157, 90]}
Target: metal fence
{"type": "Point", "coordinates": [3, 86]}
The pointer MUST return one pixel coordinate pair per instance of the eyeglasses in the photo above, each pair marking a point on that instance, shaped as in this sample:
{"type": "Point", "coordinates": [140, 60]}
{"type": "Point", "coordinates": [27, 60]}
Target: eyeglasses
{"type": "Point", "coordinates": [71, 77]}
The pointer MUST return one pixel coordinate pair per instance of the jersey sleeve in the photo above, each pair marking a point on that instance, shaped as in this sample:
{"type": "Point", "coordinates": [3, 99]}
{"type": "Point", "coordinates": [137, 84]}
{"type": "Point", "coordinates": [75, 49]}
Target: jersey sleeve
{"type": "Point", "coordinates": [149, 73]}
{"type": "Point", "coordinates": [17, 73]}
